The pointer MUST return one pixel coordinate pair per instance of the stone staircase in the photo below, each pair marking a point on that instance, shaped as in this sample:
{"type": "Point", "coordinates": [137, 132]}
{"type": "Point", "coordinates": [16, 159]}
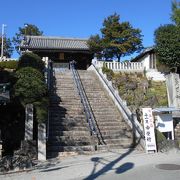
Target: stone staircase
{"type": "Point", "coordinates": [155, 75]}
{"type": "Point", "coordinates": [68, 130]}
{"type": "Point", "coordinates": [114, 130]}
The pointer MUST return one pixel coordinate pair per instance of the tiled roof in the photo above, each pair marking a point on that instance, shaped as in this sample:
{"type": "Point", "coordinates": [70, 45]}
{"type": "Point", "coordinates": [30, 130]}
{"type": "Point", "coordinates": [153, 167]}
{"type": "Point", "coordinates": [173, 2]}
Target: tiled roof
{"type": "Point", "coordinates": [44, 42]}
{"type": "Point", "coordinates": [143, 53]}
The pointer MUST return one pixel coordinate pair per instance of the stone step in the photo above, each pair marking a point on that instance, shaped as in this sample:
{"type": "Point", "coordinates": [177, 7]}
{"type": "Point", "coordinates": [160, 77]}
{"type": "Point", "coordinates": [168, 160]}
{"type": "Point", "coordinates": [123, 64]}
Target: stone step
{"type": "Point", "coordinates": [66, 117]}
{"type": "Point", "coordinates": [107, 117]}
{"type": "Point", "coordinates": [100, 103]}
{"type": "Point", "coordinates": [61, 120]}
{"type": "Point", "coordinates": [66, 106]}
{"type": "Point", "coordinates": [79, 149]}
{"type": "Point", "coordinates": [66, 109]}
{"type": "Point", "coordinates": [58, 119]}
{"type": "Point", "coordinates": [105, 111]}
{"type": "Point", "coordinates": [58, 96]}
{"type": "Point", "coordinates": [111, 123]}
{"type": "Point", "coordinates": [124, 141]}
{"type": "Point", "coordinates": [70, 104]}
{"type": "Point", "coordinates": [115, 133]}
{"type": "Point", "coordinates": [69, 142]}
{"type": "Point", "coordinates": [106, 128]}
{"type": "Point", "coordinates": [65, 83]}
{"type": "Point", "coordinates": [55, 118]}
{"type": "Point", "coordinates": [126, 134]}
{"type": "Point", "coordinates": [59, 115]}
{"type": "Point", "coordinates": [71, 89]}
{"type": "Point", "coordinates": [67, 137]}
{"type": "Point", "coordinates": [64, 75]}
{"type": "Point", "coordinates": [69, 97]}
{"type": "Point", "coordinates": [66, 113]}
{"type": "Point", "coordinates": [98, 100]}
{"type": "Point", "coordinates": [59, 124]}
{"type": "Point", "coordinates": [64, 92]}
{"type": "Point", "coordinates": [93, 88]}
{"type": "Point", "coordinates": [113, 146]}
{"type": "Point", "coordinates": [69, 133]}
{"type": "Point", "coordinates": [66, 101]}
{"type": "Point", "coordinates": [96, 96]}
{"type": "Point", "coordinates": [67, 128]}
{"type": "Point", "coordinates": [95, 93]}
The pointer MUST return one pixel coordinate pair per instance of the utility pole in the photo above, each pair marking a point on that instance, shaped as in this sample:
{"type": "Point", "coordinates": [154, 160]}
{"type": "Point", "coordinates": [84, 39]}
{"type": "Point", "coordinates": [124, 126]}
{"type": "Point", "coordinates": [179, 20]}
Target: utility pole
{"type": "Point", "coordinates": [2, 41]}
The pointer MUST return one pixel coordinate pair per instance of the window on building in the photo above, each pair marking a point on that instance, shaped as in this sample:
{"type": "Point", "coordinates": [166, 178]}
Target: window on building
{"type": "Point", "coordinates": [152, 60]}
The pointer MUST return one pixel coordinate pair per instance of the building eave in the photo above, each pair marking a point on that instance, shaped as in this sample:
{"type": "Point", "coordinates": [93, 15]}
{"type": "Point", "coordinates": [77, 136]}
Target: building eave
{"type": "Point", "coordinates": [144, 53]}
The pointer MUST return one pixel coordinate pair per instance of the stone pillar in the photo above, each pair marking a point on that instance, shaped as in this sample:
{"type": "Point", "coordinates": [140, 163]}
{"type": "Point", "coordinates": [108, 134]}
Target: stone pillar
{"type": "Point", "coordinates": [45, 60]}
{"type": "Point", "coordinates": [0, 145]}
{"type": "Point", "coordinates": [42, 142]}
{"type": "Point", "coordinates": [173, 88]}
{"type": "Point", "coordinates": [29, 122]}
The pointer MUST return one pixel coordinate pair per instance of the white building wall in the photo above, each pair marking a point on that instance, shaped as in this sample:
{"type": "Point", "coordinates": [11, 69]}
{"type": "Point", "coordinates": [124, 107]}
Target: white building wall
{"type": "Point", "coordinates": [146, 61]}
{"type": "Point", "coordinates": [164, 123]}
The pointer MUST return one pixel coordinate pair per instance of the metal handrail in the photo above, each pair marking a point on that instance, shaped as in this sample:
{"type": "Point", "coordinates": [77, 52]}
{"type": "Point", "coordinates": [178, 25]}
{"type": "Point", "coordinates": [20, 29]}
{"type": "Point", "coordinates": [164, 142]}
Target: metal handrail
{"type": "Point", "coordinates": [126, 110]}
{"type": "Point", "coordinates": [87, 108]}
{"type": "Point", "coordinates": [49, 85]}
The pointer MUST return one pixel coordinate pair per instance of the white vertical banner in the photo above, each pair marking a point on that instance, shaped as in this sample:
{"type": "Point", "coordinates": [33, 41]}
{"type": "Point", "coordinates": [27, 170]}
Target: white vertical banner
{"type": "Point", "coordinates": [149, 129]}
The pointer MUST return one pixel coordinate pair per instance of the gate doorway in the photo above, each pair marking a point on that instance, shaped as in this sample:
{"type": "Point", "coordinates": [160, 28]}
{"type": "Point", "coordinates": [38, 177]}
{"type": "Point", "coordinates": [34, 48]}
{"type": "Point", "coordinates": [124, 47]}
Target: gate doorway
{"type": "Point", "coordinates": [59, 67]}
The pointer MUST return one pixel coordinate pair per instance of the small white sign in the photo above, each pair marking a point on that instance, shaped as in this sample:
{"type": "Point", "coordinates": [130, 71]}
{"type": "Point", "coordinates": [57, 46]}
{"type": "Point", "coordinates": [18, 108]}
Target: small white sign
{"type": "Point", "coordinates": [149, 130]}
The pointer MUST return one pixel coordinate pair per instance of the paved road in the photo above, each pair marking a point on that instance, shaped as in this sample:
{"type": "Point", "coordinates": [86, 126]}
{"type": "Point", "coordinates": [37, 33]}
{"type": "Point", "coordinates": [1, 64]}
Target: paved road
{"type": "Point", "coordinates": [106, 166]}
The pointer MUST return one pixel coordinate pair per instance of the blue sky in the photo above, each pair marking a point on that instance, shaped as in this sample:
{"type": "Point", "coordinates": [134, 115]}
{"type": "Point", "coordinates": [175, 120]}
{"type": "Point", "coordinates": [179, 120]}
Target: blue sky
{"type": "Point", "coordinates": [82, 18]}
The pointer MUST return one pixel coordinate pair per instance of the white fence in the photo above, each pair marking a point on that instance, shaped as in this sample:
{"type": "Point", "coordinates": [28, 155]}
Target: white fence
{"type": "Point", "coordinates": [121, 66]}
{"type": "Point", "coordinates": [7, 59]}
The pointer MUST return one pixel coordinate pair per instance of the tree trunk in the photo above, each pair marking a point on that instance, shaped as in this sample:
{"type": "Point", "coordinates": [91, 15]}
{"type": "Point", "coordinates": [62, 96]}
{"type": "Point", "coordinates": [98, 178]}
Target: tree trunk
{"type": "Point", "coordinates": [119, 57]}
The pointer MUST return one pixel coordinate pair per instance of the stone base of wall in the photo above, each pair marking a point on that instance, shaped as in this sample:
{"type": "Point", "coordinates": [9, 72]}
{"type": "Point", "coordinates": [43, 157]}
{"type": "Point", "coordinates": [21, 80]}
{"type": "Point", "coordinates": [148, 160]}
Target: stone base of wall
{"type": "Point", "coordinates": [28, 148]}
{"type": "Point", "coordinates": [0, 150]}
{"type": "Point", "coordinates": [22, 158]}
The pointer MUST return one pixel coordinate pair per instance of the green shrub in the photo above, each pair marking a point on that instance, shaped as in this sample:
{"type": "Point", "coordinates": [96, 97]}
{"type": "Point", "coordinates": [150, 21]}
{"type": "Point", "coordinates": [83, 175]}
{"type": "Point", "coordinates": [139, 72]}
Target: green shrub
{"type": "Point", "coordinates": [41, 109]}
{"type": "Point", "coordinates": [9, 64]}
{"type": "Point", "coordinates": [31, 60]}
{"type": "Point", "coordinates": [162, 67]}
{"type": "Point", "coordinates": [30, 86]}
{"type": "Point", "coordinates": [109, 73]}
{"type": "Point", "coordinates": [29, 72]}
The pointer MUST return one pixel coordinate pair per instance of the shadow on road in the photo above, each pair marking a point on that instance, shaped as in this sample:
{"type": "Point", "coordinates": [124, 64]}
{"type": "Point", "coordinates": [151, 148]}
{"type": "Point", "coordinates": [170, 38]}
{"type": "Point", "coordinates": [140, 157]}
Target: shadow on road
{"type": "Point", "coordinates": [108, 167]}
{"type": "Point", "coordinates": [124, 167]}
{"type": "Point", "coordinates": [53, 169]}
